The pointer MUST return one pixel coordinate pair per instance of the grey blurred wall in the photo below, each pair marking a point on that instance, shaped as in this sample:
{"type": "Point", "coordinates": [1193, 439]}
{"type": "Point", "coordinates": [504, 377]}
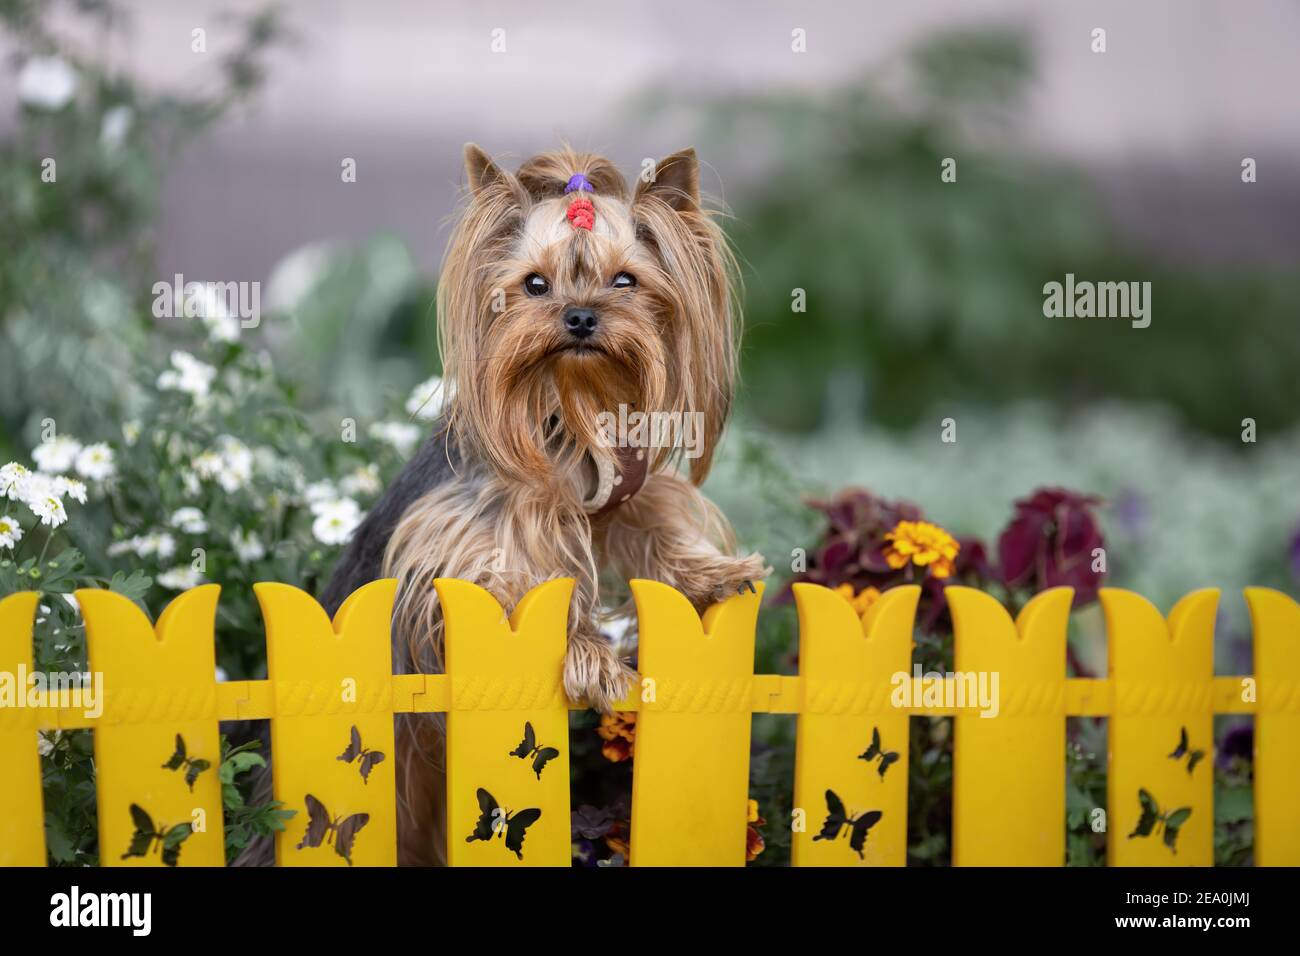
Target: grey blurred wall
{"type": "Point", "coordinates": [1162, 119]}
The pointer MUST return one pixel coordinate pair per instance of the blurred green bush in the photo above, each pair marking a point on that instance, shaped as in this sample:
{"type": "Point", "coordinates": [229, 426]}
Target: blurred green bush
{"type": "Point", "coordinates": [920, 291]}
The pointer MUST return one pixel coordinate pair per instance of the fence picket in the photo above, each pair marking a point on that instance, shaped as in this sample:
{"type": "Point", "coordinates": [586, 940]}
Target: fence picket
{"type": "Point", "coordinates": [22, 821]}
{"type": "Point", "coordinates": [159, 684]}
{"type": "Point", "coordinates": [331, 677]}
{"type": "Point", "coordinates": [847, 665]}
{"type": "Point", "coordinates": [690, 771]}
{"type": "Point", "coordinates": [1276, 620]}
{"type": "Point", "coordinates": [1008, 786]}
{"type": "Point", "coordinates": [505, 674]}
{"type": "Point", "coordinates": [1163, 674]}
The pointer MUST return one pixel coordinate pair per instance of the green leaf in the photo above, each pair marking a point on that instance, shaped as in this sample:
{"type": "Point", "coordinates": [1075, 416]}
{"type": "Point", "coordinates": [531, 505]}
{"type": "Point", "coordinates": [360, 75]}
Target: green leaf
{"type": "Point", "coordinates": [133, 586]}
{"type": "Point", "coordinates": [57, 841]}
{"type": "Point", "coordinates": [1233, 805]}
{"type": "Point", "coordinates": [243, 762]}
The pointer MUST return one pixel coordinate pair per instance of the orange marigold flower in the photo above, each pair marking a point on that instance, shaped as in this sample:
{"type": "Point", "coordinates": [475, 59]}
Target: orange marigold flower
{"type": "Point", "coordinates": [619, 844]}
{"type": "Point", "coordinates": [923, 545]}
{"type": "Point", "coordinates": [618, 730]}
{"type": "Point", "coordinates": [754, 843]}
{"type": "Point", "coordinates": [861, 601]}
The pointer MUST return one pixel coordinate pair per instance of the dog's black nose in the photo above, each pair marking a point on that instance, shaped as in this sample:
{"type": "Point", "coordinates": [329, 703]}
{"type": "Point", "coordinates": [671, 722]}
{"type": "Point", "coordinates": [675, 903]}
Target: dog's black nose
{"type": "Point", "coordinates": [580, 322]}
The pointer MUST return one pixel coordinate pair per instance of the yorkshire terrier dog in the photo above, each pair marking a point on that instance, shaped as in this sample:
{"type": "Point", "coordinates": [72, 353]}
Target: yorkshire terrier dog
{"type": "Point", "coordinates": [564, 298]}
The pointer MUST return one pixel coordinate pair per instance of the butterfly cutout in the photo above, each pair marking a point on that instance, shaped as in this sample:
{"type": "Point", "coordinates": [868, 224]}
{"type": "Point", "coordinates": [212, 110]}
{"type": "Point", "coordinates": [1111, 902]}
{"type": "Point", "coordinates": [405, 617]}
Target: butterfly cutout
{"type": "Point", "coordinates": [368, 757]}
{"type": "Point", "coordinates": [193, 765]}
{"type": "Point", "coordinates": [341, 832]}
{"type": "Point", "coordinates": [837, 819]}
{"type": "Point", "coordinates": [528, 748]}
{"type": "Point", "coordinates": [169, 838]}
{"type": "Point", "coordinates": [1152, 817]}
{"type": "Point", "coordinates": [494, 821]}
{"type": "Point", "coordinates": [1193, 758]}
{"type": "Point", "coordinates": [877, 753]}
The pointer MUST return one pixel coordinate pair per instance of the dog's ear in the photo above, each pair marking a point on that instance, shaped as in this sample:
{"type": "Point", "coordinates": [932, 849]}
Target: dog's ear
{"type": "Point", "coordinates": [676, 181]}
{"type": "Point", "coordinates": [485, 175]}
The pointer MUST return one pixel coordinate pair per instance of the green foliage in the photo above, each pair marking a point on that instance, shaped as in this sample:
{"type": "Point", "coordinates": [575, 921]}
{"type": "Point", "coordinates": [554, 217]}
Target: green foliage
{"type": "Point", "coordinates": [78, 252]}
{"type": "Point", "coordinates": [1085, 791]}
{"type": "Point", "coordinates": [245, 820]}
{"type": "Point", "coordinates": [68, 779]}
{"type": "Point", "coordinates": [918, 288]}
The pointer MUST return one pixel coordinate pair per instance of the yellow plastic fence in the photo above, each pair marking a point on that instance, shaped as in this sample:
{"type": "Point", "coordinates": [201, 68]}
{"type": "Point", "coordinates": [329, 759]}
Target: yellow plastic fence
{"type": "Point", "coordinates": [331, 696]}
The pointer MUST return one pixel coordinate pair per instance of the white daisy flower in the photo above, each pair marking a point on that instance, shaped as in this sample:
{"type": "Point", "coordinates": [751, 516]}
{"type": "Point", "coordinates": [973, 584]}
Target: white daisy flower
{"type": "Point", "coordinates": [336, 520]}
{"type": "Point", "coordinates": [209, 306]}
{"type": "Point", "coordinates": [188, 375]}
{"type": "Point", "coordinates": [221, 325]}
{"type": "Point", "coordinates": [144, 545]}
{"type": "Point", "coordinates": [362, 481]}
{"type": "Point", "coordinates": [319, 492]}
{"type": "Point", "coordinates": [57, 454]}
{"type": "Point", "coordinates": [46, 83]}
{"type": "Point", "coordinates": [10, 531]}
{"type": "Point", "coordinates": [155, 542]}
{"type": "Point", "coordinates": [35, 484]}
{"type": "Point", "coordinates": [428, 399]}
{"type": "Point", "coordinates": [189, 520]}
{"type": "Point", "coordinates": [206, 464]}
{"type": "Point", "coordinates": [96, 462]}
{"type": "Point", "coordinates": [12, 478]}
{"type": "Point", "coordinates": [230, 464]}
{"type": "Point", "coordinates": [180, 578]}
{"type": "Point", "coordinates": [236, 463]}
{"type": "Point", "coordinates": [401, 435]}
{"type": "Point", "coordinates": [131, 431]}
{"type": "Point", "coordinates": [71, 487]}
{"type": "Point", "coordinates": [48, 507]}
{"type": "Point", "coordinates": [248, 546]}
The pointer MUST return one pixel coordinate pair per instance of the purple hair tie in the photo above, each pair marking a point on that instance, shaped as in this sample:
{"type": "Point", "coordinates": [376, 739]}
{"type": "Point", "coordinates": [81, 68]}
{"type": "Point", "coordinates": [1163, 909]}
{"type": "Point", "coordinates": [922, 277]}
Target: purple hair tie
{"type": "Point", "coordinates": [579, 182]}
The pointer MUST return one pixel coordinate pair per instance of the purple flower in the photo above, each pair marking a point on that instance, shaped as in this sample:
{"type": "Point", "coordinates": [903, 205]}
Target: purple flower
{"type": "Point", "coordinates": [1050, 543]}
{"type": "Point", "coordinates": [1237, 742]}
{"type": "Point", "coordinates": [591, 823]}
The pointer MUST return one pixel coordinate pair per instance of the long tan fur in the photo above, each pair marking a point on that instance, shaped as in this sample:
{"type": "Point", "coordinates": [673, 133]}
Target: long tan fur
{"type": "Point", "coordinates": [523, 422]}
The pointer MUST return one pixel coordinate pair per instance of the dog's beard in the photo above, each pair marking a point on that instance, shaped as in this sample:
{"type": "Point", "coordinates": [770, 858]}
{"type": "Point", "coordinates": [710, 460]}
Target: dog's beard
{"type": "Point", "coordinates": [544, 412]}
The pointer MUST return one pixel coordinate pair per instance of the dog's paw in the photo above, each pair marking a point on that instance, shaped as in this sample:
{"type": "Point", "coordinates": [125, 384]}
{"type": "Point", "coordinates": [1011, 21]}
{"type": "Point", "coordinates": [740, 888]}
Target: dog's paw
{"type": "Point", "coordinates": [595, 674]}
{"type": "Point", "coordinates": [730, 577]}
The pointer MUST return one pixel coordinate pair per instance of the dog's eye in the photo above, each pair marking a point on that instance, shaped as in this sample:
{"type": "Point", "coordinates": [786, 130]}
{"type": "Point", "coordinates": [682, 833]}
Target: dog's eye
{"type": "Point", "coordinates": [624, 280]}
{"type": "Point", "coordinates": [536, 285]}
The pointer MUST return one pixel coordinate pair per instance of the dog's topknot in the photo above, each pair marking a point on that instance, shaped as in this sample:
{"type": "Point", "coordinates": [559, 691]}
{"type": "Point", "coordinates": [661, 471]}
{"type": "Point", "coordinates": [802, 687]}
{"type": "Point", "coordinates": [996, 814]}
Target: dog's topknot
{"type": "Point", "coordinates": [545, 175]}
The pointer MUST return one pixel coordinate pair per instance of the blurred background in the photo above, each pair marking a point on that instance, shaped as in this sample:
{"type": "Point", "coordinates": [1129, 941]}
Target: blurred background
{"type": "Point", "coordinates": [924, 299]}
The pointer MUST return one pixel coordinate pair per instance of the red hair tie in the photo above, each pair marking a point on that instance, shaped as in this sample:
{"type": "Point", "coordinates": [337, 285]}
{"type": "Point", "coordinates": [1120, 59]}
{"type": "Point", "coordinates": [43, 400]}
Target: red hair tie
{"type": "Point", "coordinates": [582, 214]}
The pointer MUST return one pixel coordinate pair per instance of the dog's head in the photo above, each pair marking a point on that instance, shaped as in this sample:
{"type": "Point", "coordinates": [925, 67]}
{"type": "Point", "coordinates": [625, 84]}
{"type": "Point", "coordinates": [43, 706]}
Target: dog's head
{"type": "Point", "coordinates": [565, 296]}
